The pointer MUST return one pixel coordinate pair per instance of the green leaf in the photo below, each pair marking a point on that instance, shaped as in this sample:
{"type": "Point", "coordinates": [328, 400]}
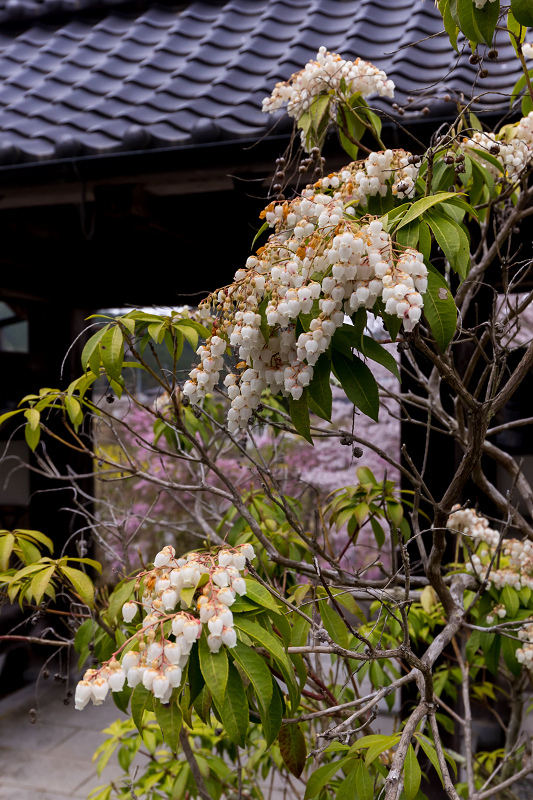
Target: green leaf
{"type": "Point", "coordinates": [379, 533]}
{"type": "Point", "coordinates": [234, 710]}
{"type": "Point", "coordinates": [334, 624]}
{"type": "Point", "coordinates": [440, 309]}
{"type": "Point", "coordinates": [74, 411]}
{"type": "Point", "coordinates": [30, 553]}
{"type": "Point", "coordinates": [293, 748]}
{"type": "Point", "coordinates": [511, 600]}
{"type": "Point", "coordinates": [509, 648]}
{"type": "Point", "coordinates": [256, 671]}
{"type": "Point", "coordinates": [418, 207]}
{"type": "Point", "coordinates": [120, 595]}
{"type": "Point", "coordinates": [260, 595]}
{"type": "Point", "coordinates": [381, 355]}
{"type": "Point", "coordinates": [299, 411]}
{"type": "Point", "coordinates": [452, 239]}
{"type": "Point", "coordinates": [273, 646]}
{"type": "Point", "coordinates": [82, 584]}
{"type": "Point", "coordinates": [112, 352]}
{"type": "Point", "coordinates": [429, 749]}
{"type": "Point", "coordinates": [214, 668]}
{"type": "Point", "coordinates": [412, 774]}
{"type": "Point", "coordinates": [32, 436]}
{"type": "Point", "coordinates": [467, 20]}
{"type": "Point", "coordinates": [348, 788]}
{"type": "Point", "coordinates": [522, 11]}
{"type": "Point", "coordinates": [91, 348]}
{"type": "Point", "coordinates": [408, 235]}
{"type": "Point", "coordinates": [33, 417]}
{"type": "Point", "coordinates": [7, 541]}
{"type": "Point", "coordinates": [321, 776]}
{"type": "Point", "coordinates": [517, 32]}
{"type": "Point", "coordinates": [141, 701]}
{"type": "Point", "coordinates": [187, 595]}
{"type": "Point", "coordinates": [170, 720]}
{"type": "Point", "coordinates": [319, 389]}
{"type": "Point", "coordinates": [449, 23]}
{"type": "Point", "coordinates": [486, 19]}
{"type": "Point", "coordinates": [40, 582]}
{"type": "Point", "coordinates": [364, 783]}
{"type": "Point", "coordinates": [261, 230]}
{"type": "Point", "coordinates": [358, 383]}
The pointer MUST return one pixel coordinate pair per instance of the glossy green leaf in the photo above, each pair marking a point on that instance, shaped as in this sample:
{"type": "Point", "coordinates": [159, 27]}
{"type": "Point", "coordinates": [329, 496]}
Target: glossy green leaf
{"type": "Point", "coordinates": [522, 11]}
{"type": "Point", "coordinates": [234, 709]}
{"type": "Point", "coordinates": [40, 583]}
{"type": "Point", "coordinates": [141, 701]}
{"type": "Point", "coordinates": [7, 541]}
{"type": "Point", "coordinates": [509, 648]}
{"type": "Point", "coordinates": [419, 206]}
{"type": "Point", "coordinates": [412, 774]}
{"type": "Point", "coordinates": [82, 584]}
{"type": "Point", "coordinates": [440, 309]}
{"type": "Point", "coordinates": [261, 230]}
{"type": "Point", "coordinates": [517, 32]}
{"type": "Point", "coordinates": [256, 671]}
{"type": "Point", "coordinates": [334, 624]}
{"type": "Point", "coordinates": [358, 383]}
{"type": "Point", "coordinates": [511, 600]}
{"type": "Point", "coordinates": [260, 595]}
{"type": "Point", "coordinates": [486, 19]}
{"type": "Point", "coordinates": [214, 667]}
{"type": "Point", "coordinates": [364, 782]}
{"type": "Point", "coordinates": [32, 437]}
{"type": "Point", "coordinates": [293, 748]}
{"type": "Point", "coordinates": [170, 720]}
{"type": "Point", "coordinates": [319, 389]}
{"type": "Point", "coordinates": [120, 595]}
{"type": "Point", "coordinates": [467, 20]}
{"type": "Point", "coordinates": [91, 348]}
{"type": "Point", "coordinates": [299, 411]}
{"type": "Point", "coordinates": [112, 352]}
{"type": "Point", "coordinates": [407, 235]}
{"type": "Point", "coordinates": [379, 354]}
{"type": "Point", "coordinates": [348, 788]}
{"type": "Point", "coordinates": [321, 776]}
{"type": "Point", "coordinates": [452, 239]}
{"type": "Point", "coordinates": [449, 23]}
{"type": "Point", "coordinates": [74, 411]}
{"type": "Point", "coordinates": [429, 749]}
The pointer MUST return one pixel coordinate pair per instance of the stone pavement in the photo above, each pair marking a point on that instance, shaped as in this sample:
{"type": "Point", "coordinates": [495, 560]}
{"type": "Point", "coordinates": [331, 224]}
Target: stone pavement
{"type": "Point", "coordinates": [51, 758]}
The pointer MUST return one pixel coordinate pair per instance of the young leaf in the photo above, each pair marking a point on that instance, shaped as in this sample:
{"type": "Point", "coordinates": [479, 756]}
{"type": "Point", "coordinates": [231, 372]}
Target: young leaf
{"type": "Point", "coordinates": [214, 668]}
{"type": "Point", "coordinates": [412, 774]}
{"type": "Point", "coordinates": [40, 582]}
{"type": "Point", "coordinates": [82, 584]}
{"type": "Point", "coordinates": [292, 748]}
{"type": "Point", "coordinates": [7, 541]}
{"type": "Point", "coordinates": [440, 310]}
{"type": "Point", "coordinates": [358, 383]}
{"type": "Point", "coordinates": [92, 347]}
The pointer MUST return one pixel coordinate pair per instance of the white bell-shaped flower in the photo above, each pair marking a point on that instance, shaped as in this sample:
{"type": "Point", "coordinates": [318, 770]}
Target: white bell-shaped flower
{"type": "Point", "coordinates": [129, 610]}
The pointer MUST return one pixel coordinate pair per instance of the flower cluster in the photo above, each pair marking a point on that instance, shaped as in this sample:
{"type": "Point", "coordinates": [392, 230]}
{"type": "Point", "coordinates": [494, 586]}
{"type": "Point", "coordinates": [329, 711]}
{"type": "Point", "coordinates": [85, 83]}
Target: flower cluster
{"type": "Point", "coordinates": [150, 657]}
{"type": "Point", "coordinates": [328, 72]}
{"type": "Point", "coordinates": [524, 654]}
{"type": "Point", "coordinates": [516, 556]}
{"type": "Point", "coordinates": [514, 154]}
{"type": "Point", "coordinates": [321, 262]}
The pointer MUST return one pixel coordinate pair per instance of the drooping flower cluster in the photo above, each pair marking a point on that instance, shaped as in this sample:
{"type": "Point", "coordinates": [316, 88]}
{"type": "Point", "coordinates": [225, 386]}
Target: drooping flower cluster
{"type": "Point", "coordinates": [150, 657]}
{"type": "Point", "coordinates": [516, 556]}
{"type": "Point", "coordinates": [514, 154]}
{"type": "Point", "coordinates": [328, 72]}
{"type": "Point", "coordinates": [321, 262]}
{"type": "Point", "coordinates": [524, 654]}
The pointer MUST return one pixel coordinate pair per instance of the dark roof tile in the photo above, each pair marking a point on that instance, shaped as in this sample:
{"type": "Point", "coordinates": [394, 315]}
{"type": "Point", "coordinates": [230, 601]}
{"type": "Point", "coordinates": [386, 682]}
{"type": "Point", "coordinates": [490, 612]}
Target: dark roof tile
{"type": "Point", "coordinates": [97, 76]}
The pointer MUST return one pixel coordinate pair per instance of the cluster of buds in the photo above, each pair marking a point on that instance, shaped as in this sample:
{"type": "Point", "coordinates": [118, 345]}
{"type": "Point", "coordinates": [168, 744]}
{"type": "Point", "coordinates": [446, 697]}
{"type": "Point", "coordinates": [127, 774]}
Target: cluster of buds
{"type": "Point", "coordinates": [514, 150]}
{"type": "Point", "coordinates": [329, 73]}
{"type": "Point", "coordinates": [150, 657]}
{"type": "Point", "coordinates": [515, 564]}
{"type": "Point", "coordinates": [319, 256]}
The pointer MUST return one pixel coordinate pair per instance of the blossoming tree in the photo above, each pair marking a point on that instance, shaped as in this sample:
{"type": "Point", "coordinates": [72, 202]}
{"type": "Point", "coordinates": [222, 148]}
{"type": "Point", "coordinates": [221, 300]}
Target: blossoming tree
{"type": "Point", "coordinates": [272, 646]}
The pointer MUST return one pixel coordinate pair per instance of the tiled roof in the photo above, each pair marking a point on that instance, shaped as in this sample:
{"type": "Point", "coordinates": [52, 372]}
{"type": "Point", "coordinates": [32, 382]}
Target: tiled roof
{"type": "Point", "coordinates": [79, 77]}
